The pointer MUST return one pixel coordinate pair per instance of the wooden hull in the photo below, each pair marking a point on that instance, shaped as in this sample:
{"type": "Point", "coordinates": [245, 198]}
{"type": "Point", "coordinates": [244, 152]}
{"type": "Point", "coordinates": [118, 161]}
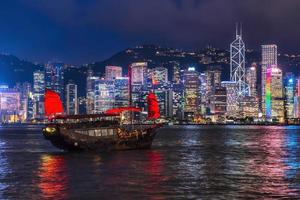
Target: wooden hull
{"type": "Point", "coordinates": [94, 139]}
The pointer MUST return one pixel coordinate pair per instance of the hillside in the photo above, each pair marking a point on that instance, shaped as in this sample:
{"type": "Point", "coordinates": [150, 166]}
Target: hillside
{"type": "Point", "coordinates": [15, 70]}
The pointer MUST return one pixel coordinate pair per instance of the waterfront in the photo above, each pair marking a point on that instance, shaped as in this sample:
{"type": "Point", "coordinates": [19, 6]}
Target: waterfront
{"type": "Point", "coordinates": [220, 162]}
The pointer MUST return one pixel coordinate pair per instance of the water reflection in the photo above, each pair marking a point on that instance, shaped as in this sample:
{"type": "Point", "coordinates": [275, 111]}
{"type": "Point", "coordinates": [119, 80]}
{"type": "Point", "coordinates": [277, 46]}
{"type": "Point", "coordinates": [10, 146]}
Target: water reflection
{"type": "Point", "coordinates": [156, 175]}
{"type": "Point", "coordinates": [53, 177]}
{"type": "Point", "coordinates": [292, 159]}
{"type": "Point", "coordinates": [4, 170]}
{"type": "Point", "coordinates": [267, 163]}
{"type": "Point", "coordinates": [186, 162]}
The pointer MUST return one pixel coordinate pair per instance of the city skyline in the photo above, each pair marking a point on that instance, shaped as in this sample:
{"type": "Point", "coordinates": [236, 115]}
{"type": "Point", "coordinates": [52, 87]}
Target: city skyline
{"type": "Point", "coordinates": [184, 93]}
{"type": "Point", "coordinates": [88, 32]}
{"type": "Point", "coordinates": [153, 99]}
{"type": "Point", "coordinates": [238, 85]}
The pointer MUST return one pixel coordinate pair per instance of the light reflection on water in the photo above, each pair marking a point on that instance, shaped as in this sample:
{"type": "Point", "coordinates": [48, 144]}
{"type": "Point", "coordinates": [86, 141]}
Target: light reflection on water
{"type": "Point", "coordinates": [53, 178]}
{"type": "Point", "coordinates": [4, 170]}
{"type": "Point", "coordinates": [209, 162]}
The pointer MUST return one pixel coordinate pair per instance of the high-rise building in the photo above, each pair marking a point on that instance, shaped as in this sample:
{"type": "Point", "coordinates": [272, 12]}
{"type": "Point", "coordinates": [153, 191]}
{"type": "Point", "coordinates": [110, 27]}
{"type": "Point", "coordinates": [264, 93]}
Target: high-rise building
{"type": "Point", "coordinates": [297, 100]}
{"type": "Point", "coordinates": [203, 98]}
{"type": "Point", "coordinates": [113, 72]}
{"type": "Point", "coordinates": [71, 99]}
{"type": "Point", "coordinates": [251, 79]}
{"type": "Point", "coordinates": [90, 91]}
{"type": "Point", "coordinates": [298, 87]}
{"type": "Point", "coordinates": [213, 80]}
{"type": "Point", "coordinates": [121, 91]}
{"type": "Point", "coordinates": [297, 107]}
{"type": "Point", "coordinates": [161, 87]}
{"type": "Point", "coordinates": [104, 95]}
{"type": "Point", "coordinates": [289, 91]}
{"type": "Point", "coordinates": [249, 107]}
{"type": "Point", "coordinates": [232, 103]}
{"type": "Point", "coordinates": [218, 105]}
{"type": "Point", "coordinates": [54, 78]}
{"type": "Point", "coordinates": [138, 74]}
{"type": "Point", "coordinates": [178, 100]}
{"type": "Point", "coordinates": [237, 64]}
{"type": "Point", "coordinates": [274, 95]}
{"type": "Point", "coordinates": [38, 93]}
{"type": "Point", "coordinates": [163, 98]}
{"type": "Point", "coordinates": [191, 83]}
{"type": "Point", "coordinates": [159, 76]}
{"type": "Point", "coordinates": [269, 59]}
{"type": "Point", "coordinates": [176, 79]}
{"type": "Point", "coordinates": [25, 91]}
{"type": "Point", "coordinates": [9, 105]}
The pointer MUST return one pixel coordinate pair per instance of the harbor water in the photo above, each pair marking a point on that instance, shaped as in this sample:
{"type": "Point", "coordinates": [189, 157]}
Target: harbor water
{"type": "Point", "coordinates": [185, 162]}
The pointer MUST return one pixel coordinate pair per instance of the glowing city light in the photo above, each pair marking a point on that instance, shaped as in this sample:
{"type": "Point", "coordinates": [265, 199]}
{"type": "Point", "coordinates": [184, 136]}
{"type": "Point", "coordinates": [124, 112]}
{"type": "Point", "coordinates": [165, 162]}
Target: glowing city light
{"type": "Point", "coordinates": [191, 69]}
{"type": "Point", "coordinates": [268, 93]}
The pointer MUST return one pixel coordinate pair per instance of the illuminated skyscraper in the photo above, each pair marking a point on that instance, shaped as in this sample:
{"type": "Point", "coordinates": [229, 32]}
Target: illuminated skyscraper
{"type": "Point", "coordinates": [274, 95]}
{"type": "Point", "coordinates": [269, 59]}
{"type": "Point", "coordinates": [297, 107]}
{"type": "Point", "coordinates": [218, 103]}
{"type": "Point", "coordinates": [289, 88]}
{"type": "Point", "coordinates": [232, 104]}
{"type": "Point", "coordinates": [161, 87]}
{"type": "Point", "coordinates": [104, 95]}
{"type": "Point", "coordinates": [237, 65]}
{"type": "Point", "coordinates": [298, 87]}
{"type": "Point", "coordinates": [54, 78]}
{"type": "Point", "coordinates": [71, 99]}
{"type": "Point", "coordinates": [203, 93]}
{"type": "Point", "coordinates": [191, 92]}
{"type": "Point", "coordinates": [121, 91]}
{"type": "Point", "coordinates": [163, 98]}
{"type": "Point", "coordinates": [176, 79]}
{"type": "Point", "coordinates": [251, 79]}
{"type": "Point", "coordinates": [25, 106]}
{"type": "Point", "coordinates": [38, 84]}
{"type": "Point", "coordinates": [38, 93]}
{"type": "Point", "coordinates": [139, 77]}
{"type": "Point", "coordinates": [9, 105]}
{"type": "Point", "coordinates": [113, 72]}
{"type": "Point", "coordinates": [178, 100]}
{"type": "Point", "coordinates": [297, 100]}
{"type": "Point", "coordinates": [90, 91]}
{"type": "Point", "coordinates": [213, 80]}
{"type": "Point", "coordinates": [177, 92]}
{"type": "Point", "coordinates": [159, 76]}
{"type": "Point", "coordinates": [249, 107]}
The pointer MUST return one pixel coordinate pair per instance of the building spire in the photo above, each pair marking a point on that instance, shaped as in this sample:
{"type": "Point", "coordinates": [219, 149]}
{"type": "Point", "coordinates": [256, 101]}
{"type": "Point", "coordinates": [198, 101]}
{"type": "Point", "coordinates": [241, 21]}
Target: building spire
{"type": "Point", "coordinates": [237, 63]}
{"type": "Point", "coordinates": [238, 29]}
{"type": "Point", "coordinates": [241, 29]}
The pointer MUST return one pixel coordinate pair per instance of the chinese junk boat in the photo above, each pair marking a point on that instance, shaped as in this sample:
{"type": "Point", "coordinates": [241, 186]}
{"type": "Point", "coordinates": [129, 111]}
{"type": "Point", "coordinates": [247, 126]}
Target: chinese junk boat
{"type": "Point", "coordinates": [99, 132]}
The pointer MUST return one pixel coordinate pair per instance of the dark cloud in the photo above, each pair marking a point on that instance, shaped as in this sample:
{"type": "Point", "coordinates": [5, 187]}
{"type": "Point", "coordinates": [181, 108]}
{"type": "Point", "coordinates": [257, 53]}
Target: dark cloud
{"type": "Point", "coordinates": [89, 30]}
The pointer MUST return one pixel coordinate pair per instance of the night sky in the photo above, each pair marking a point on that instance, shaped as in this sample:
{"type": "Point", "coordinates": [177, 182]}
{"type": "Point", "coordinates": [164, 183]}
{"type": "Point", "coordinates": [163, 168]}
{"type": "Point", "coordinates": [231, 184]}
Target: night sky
{"type": "Point", "coordinates": [83, 31]}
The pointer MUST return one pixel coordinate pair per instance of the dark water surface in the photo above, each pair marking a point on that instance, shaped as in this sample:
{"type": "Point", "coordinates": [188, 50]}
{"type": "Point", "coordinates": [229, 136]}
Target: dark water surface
{"type": "Point", "coordinates": [185, 162]}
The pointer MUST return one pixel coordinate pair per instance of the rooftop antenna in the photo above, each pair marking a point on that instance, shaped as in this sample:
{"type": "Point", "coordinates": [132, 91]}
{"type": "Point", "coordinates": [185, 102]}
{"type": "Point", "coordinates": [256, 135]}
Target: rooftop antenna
{"type": "Point", "coordinates": [241, 29]}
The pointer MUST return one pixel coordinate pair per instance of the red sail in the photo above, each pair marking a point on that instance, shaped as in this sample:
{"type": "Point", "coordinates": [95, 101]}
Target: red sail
{"type": "Point", "coordinates": [153, 108]}
{"type": "Point", "coordinates": [117, 111]}
{"type": "Point", "coordinates": [53, 104]}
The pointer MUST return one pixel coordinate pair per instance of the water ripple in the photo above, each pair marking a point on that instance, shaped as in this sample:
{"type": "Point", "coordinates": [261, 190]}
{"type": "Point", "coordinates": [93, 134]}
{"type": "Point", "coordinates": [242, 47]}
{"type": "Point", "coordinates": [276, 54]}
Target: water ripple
{"type": "Point", "coordinates": [186, 162]}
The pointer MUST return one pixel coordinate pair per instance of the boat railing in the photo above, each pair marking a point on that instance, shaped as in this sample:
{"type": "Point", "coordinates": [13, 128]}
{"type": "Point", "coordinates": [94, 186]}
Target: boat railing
{"type": "Point", "coordinates": [132, 127]}
{"type": "Point", "coordinates": [84, 125]}
{"type": "Point", "coordinates": [103, 132]}
{"type": "Point", "coordinates": [113, 131]}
